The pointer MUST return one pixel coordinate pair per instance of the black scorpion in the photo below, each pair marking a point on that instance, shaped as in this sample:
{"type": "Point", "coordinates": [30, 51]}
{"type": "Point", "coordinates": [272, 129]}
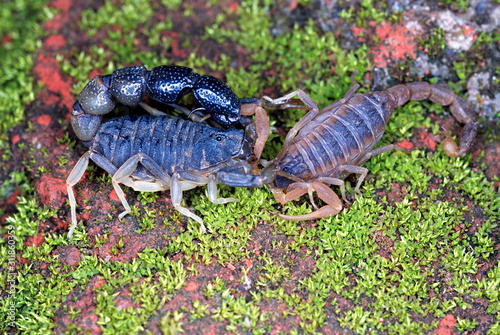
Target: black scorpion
{"type": "Point", "coordinates": [156, 152]}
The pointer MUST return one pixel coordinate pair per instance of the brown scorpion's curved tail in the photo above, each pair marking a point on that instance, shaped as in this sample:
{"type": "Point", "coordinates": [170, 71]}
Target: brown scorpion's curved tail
{"type": "Point", "coordinates": [444, 96]}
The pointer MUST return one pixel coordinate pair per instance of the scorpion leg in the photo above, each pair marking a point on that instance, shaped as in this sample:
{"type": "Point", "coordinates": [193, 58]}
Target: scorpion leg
{"type": "Point", "coordinates": [213, 192]}
{"type": "Point", "coordinates": [176, 194]}
{"type": "Point", "coordinates": [362, 171]}
{"type": "Point", "coordinates": [151, 110]}
{"type": "Point", "coordinates": [76, 175]}
{"type": "Point", "coordinates": [192, 115]}
{"type": "Point", "coordinates": [73, 178]}
{"type": "Point", "coordinates": [309, 104]}
{"type": "Point", "coordinates": [123, 174]}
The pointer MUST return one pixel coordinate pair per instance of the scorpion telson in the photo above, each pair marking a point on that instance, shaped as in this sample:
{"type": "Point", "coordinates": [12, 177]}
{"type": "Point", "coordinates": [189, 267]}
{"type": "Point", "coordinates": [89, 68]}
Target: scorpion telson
{"type": "Point", "coordinates": [327, 145]}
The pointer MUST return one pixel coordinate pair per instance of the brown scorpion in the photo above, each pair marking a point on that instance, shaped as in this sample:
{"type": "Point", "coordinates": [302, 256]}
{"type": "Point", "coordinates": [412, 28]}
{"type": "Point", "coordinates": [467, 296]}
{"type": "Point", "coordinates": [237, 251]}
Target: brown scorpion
{"type": "Point", "coordinates": [327, 145]}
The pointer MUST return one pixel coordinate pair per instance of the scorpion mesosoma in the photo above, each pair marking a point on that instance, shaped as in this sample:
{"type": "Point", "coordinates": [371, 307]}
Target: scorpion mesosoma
{"type": "Point", "coordinates": [155, 153]}
{"type": "Point", "coordinates": [166, 84]}
{"type": "Point", "coordinates": [327, 145]}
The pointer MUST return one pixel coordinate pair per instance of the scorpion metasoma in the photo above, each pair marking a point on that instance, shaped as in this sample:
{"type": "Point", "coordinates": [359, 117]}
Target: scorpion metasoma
{"type": "Point", "coordinates": [327, 145]}
{"type": "Point", "coordinates": [166, 84]}
{"type": "Point", "coordinates": [157, 152]}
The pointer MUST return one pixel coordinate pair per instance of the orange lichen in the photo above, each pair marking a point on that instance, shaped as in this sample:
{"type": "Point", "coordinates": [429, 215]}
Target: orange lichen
{"type": "Point", "coordinates": [396, 43]}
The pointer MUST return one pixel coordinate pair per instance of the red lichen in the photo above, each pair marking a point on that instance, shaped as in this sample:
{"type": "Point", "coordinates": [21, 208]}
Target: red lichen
{"type": "Point", "coordinates": [446, 325]}
{"type": "Point", "coordinates": [192, 286]}
{"type": "Point", "coordinates": [52, 191]}
{"type": "Point", "coordinates": [35, 240]}
{"type": "Point", "coordinates": [47, 71]}
{"type": "Point", "coordinates": [44, 120]}
{"type": "Point", "coordinates": [55, 42]}
{"type": "Point", "coordinates": [427, 140]}
{"type": "Point", "coordinates": [63, 5]}
{"type": "Point", "coordinates": [69, 255]}
{"type": "Point", "coordinates": [405, 144]}
{"type": "Point", "coordinates": [396, 43]}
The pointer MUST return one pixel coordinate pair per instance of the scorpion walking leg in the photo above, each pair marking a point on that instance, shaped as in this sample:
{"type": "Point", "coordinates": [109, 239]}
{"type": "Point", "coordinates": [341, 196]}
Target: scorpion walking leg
{"type": "Point", "coordinates": [190, 114]}
{"type": "Point", "coordinates": [362, 171]}
{"type": "Point", "coordinates": [309, 104]}
{"type": "Point", "coordinates": [213, 192]}
{"type": "Point", "coordinates": [122, 176]}
{"type": "Point", "coordinates": [75, 176]}
{"type": "Point", "coordinates": [176, 194]}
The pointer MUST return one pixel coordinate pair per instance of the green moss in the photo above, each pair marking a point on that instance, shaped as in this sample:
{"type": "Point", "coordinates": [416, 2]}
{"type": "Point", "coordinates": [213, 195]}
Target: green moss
{"type": "Point", "coordinates": [18, 86]}
{"type": "Point", "coordinates": [368, 11]}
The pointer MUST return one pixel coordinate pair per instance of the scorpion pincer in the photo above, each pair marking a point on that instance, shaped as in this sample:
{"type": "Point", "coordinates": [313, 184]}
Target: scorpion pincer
{"type": "Point", "coordinates": [155, 153]}
{"type": "Point", "coordinates": [166, 84]}
{"type": "Point", "coordinates": [327, 145]}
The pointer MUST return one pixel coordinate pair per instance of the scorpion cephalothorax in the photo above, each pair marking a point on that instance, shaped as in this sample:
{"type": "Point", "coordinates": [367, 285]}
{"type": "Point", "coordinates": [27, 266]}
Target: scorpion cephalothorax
{"type": "Point", "coordinates": [327, 145]}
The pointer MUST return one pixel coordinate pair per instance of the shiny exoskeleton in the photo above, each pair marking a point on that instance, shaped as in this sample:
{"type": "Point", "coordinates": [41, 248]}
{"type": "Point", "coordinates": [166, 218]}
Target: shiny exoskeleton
{"type": "Point", "coordinates": [154, 153]}
{"type": "Point", "coordinates": [327, 145]}
{"type": "Point", "coordinates": [166, 84]}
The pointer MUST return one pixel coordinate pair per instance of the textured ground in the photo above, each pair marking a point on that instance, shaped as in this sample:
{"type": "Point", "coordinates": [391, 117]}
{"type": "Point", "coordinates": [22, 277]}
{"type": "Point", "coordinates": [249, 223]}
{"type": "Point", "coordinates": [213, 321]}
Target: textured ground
{"type": "Point", "coordinates": [417, 253]}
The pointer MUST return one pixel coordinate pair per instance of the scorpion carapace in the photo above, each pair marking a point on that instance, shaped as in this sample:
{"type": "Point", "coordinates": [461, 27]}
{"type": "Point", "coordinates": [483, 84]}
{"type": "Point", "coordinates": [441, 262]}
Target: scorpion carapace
{"type": "Point", "coordinates": [167, 84]}
{"type": "Point", "coordinates": [155, 153]}
{"type": "Point", "coordinates": [327, 145]}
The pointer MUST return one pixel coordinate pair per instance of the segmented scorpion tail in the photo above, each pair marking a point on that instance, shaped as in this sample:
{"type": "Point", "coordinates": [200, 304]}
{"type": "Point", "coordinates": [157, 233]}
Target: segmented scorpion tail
{"type": "Point", "coordinates": [444, 96]}
{"type": "Point", "coordinates": [166, 84]}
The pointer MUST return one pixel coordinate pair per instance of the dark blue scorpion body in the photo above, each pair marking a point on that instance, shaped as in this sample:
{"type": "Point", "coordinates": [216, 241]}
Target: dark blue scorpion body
{"type": "Point", "coordinates": [155, 153]}
{"type": "Point", "coordinates": [173, 143]}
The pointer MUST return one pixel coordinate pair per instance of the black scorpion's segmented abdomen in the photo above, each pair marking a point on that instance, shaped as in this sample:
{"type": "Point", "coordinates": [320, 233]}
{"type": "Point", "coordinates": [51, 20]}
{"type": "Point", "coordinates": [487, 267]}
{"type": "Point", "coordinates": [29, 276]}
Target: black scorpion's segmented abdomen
{"type": "Point", "coordinates": [175, 144]}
